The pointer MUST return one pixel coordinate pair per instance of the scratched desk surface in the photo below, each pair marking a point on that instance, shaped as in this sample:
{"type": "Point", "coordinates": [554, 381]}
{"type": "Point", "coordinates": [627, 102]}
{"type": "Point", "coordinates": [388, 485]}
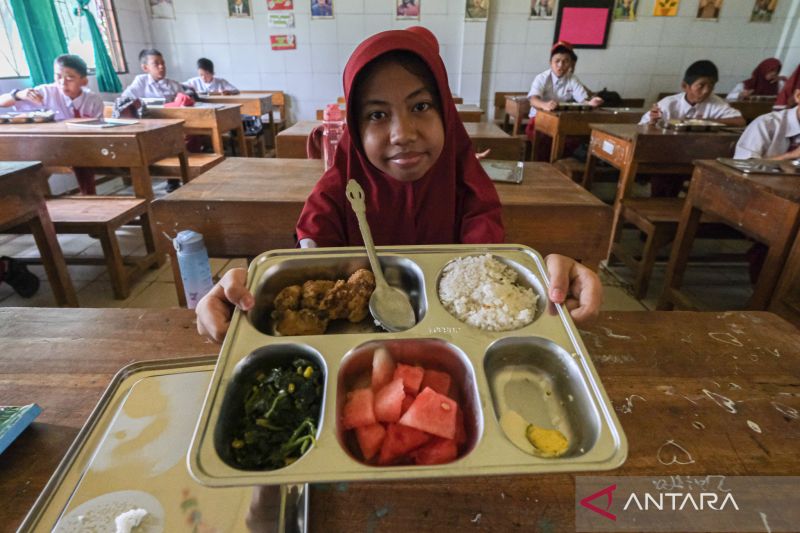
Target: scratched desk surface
{"type": "Point", "coordinates": [696, 393]}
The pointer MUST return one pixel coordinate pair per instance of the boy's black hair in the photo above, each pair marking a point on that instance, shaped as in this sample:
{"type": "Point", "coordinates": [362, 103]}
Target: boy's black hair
{"type": "Point", "coordinates": [147, 52]}
{"type": "Point", "coordinates": [206, 64]}
{"type": "Point", "coordinates": [74, 62]}
{"type": "Point", "coordinates": [701, 69]}
{"type": "Point", "coordinates": [559, 48]}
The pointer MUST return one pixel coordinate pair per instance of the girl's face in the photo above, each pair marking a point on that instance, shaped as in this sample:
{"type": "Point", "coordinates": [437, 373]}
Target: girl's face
{"type": "Point", "coordinates": [772, 76]}
{"type": "Point", "coordinates": [560, 64]}
{"type": "Point", "coordinates": [399, 123]}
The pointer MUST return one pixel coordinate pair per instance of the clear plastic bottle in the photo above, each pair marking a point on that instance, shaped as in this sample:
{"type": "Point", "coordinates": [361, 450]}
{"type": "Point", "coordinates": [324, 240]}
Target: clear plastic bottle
{"type": "Point", "coordinates": [194, 266]}
{"type": "Point", "coordinates": [332, 129]}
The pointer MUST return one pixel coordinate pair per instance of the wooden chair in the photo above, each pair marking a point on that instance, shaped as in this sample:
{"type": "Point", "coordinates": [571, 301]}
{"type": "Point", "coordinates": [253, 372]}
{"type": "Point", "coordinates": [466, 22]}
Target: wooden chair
{"type": "Point", "coordinates": [277, 117]}
{"type": "Point", "coordinates": [197, 164]}
{"type": "Point", "coordinates": [501, 118]}
{"type": "Point", "coordinates": [574, 169]}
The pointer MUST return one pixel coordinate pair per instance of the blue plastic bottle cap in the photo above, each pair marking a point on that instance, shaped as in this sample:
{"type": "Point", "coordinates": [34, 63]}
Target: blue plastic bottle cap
{"type": "Point", "coordinates": [188, 241]}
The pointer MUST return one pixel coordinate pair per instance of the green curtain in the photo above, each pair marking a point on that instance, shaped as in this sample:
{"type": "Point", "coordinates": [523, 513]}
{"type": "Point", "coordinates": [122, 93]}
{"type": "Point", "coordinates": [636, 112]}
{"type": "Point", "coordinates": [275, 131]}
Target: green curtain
{"type": "Point", "coordinates": [107, 79]}
{"type": "Point", "coordinates": [41, 35]}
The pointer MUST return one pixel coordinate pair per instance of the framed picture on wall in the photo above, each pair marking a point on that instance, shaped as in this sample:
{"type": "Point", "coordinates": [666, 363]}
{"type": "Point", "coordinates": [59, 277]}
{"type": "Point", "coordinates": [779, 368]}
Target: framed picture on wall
{"type": "Point", "coordinates": [477, 9]}
{"type": "Point", "coordinates": [763, 10]}
{"type": "Point", "coordinates": [321, 9]}
{"type": "Point", "coordinates": [542, 9]}
{"type": "Point", "coordinates": [239, 8]}
{"type": "Point", "coordinates": [161, 9]}
{"type": "Point", "coordinates": [625, 10]}
{"type": "Point", "coordinates": [709, 9]}
{"type": "Point", "coordinates": [584, 23]}
{"type": "Point", "coordinates": [666, 8]}
{"type": "Point", "coordinates": [408, 9]}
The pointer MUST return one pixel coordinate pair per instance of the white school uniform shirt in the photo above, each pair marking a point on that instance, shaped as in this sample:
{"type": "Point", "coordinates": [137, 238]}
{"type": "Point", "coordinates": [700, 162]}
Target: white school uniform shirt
{"type": "Point", "coordinates": [216, 85]}
{"type": "Point", "coordinates": [737, 90]}
{"type": "Point", "coordinates": [770, 135]}
{"type": "Point", "coordinates": [548, 86]}
{"type": "Point", "coordinates": [144, 86]}
{"type": "Point", "coordinates": [678, 107]}
{"type": "Point", "coordinates": [88, 104]}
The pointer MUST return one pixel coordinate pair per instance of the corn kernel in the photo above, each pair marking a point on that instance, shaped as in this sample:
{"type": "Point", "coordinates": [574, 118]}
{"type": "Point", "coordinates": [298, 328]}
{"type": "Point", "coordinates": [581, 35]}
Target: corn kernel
{"type": "Point", "coordinates": [290, 388]}
{"type": "Point", "coordinates": [237, 443]}
{"type": "Point", "coordinates": [262, 422]}
{"type": "Point", "coordinates": [308, 372]}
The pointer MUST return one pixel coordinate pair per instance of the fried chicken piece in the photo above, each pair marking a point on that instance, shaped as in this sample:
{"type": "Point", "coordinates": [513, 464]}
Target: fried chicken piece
{"type": "Point", "coordinates": [362, 278]}
{"type": "Point", "coordinates": [314, 292]}
{"type": "Point", "coordinates": [302, 322]}
{"type": "Point", "coordinates": [350, 299]}
{"type": "Point", "coordinates": [288, 298]}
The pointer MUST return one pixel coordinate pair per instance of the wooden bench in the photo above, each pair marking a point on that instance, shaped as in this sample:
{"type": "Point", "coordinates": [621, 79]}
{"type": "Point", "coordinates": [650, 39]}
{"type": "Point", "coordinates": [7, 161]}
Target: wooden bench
{"type": "Point", "coordinates": [100, 217]}
{"type": "Point", "coordinates": [277, 117]}
{"type": "Point", "coordinates": [196, 163]}
{"type": "Point", "coordinates": [501, 118]}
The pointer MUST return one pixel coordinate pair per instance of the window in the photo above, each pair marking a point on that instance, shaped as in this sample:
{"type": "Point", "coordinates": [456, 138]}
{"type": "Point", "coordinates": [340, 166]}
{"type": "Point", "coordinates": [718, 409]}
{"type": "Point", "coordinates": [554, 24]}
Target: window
{"type": "Point", "coordinates": [76, 32]}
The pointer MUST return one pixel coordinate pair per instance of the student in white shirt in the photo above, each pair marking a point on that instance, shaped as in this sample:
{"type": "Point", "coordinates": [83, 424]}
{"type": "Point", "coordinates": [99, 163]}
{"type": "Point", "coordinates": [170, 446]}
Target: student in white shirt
{"type": "Point", "coordinates": [67, 97]}
{"type": "Point", "coordinates": [206, 82]}
{"type": "Point", "coordinates": [775, 135]}
{"type": "Point", "coordinates": [154, 82]}
{"type": "Point", "coordinates": [764, 81]}
{"type": "Point", "coordinates": [697, 99]}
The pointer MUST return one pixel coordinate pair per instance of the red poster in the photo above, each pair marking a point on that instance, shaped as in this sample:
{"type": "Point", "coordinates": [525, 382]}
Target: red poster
{"type": "Point", "coordinates": [282, 42]}
{"type": "Point", "coordinates": [280, 5]}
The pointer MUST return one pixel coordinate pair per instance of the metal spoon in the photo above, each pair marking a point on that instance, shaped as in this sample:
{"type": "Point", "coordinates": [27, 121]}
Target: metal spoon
{"type": "Point", "coordinates": [389, 306]}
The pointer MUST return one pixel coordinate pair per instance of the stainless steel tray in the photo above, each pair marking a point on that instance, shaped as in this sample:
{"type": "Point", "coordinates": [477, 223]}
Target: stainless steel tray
{"type": "Point", "coordinates": [131, 453]}
{"type": "Point", "coordinates": [503, 171]}
{"type": "Point", "coordinates": [693, 125]}
{"type": "Point", "coordinates": [573, 106]}
{"type": "Point", "coordinates": [541, 371]}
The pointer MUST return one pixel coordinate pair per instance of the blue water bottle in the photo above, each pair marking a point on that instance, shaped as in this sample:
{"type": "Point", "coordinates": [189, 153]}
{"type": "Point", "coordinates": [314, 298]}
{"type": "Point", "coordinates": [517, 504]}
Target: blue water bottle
{"type": "Point", "coordinates": [194, 266]}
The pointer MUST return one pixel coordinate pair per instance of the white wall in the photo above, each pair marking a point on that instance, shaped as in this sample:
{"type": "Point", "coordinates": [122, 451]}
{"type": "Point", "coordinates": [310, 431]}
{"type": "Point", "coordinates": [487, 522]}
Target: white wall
{"type": "Point", "coordinates": [644, 57]}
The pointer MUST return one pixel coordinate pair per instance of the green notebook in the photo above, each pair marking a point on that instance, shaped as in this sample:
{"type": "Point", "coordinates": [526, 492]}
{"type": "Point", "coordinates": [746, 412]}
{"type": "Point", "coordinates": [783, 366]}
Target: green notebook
{"type": "Point", "coordinates": [13, 419]}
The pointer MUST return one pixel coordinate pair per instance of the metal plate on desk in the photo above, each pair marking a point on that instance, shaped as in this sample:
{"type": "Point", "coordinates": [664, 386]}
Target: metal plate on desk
{"type": "Point", "coordinates": [692, 124]}
{"type": "Point", "coordinates": [504, 171]}
{"type": "Point", "coordinates": [542, 364]}
{"type": "Point", "coordinates": [761, 166]}
{"type": "Point", "coordinates": [132, 454]}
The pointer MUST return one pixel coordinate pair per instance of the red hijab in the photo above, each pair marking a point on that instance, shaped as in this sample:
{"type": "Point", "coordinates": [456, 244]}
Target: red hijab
{"type": "Point", "coordinates": [758, 83]}
{"type": "Point", "coordinates": [786, 96]}
{"type": "Point", "coordinates": [454, 202]}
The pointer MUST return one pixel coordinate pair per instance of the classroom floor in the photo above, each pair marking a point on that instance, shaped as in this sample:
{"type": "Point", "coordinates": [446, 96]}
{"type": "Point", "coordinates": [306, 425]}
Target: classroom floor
{"type": "Point", "coordinates": [719, 286]}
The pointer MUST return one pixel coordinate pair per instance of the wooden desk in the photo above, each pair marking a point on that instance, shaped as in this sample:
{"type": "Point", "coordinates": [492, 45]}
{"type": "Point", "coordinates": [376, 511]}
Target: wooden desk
{"type": "Point", "coordinates": [134, 147]}
{"type": "Point", "coordinates": [786, 298]}
{"type": "Point", "coordinates": [558, 125]}
{"type": "Point", "coordinates": [751, 109]}
{"type": "Point", "coordinates": [244, 207]}
{"type": "Point", "coordinates": [212, 120]}
{"type": "Point", "coordinates": [258, 104]}
{"type": "Point", "coordinates": [648, 362]}
{"type": "Point", "coordinates": [469, 112]}
{"type": "Point", "coordinates": [764, 207]}
{"type": "Point", "coordinates": [517, 108]}
{"type": "Point", "coordinates": [22, 188]}
{"type": "Point", "coordinates": [292, 141]}
{"type": "Point", "coordinates": [632, 148]}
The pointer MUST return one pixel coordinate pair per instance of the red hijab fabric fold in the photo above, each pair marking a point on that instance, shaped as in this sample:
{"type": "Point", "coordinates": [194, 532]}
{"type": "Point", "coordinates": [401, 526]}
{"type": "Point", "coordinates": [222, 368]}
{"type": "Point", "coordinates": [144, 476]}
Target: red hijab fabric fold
{"type": "Point", "coordinates": [454, 202]}
{"type": "Point", "coordinates": [758, 83]}
{"type": "Point", "coordinates": [786, 96]}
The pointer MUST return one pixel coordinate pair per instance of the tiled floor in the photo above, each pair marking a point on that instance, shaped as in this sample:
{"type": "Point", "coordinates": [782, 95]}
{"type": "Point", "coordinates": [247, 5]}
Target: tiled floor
{"type": "Point", "coordinates": [717, 285]}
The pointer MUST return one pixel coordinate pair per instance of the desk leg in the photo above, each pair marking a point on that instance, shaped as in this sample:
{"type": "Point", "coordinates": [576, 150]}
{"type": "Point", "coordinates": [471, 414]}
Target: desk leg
{"type": "Point", "coordinates": [242, 142]}
{"type": "Point", "coordinates": [681, 246]}
{"type": "Point", "coordinates": [183, 159]}
{"type": "Point", "coordinates": [626, 176]}
{"type": "Point", "coordinates": [142, 182]}
{"type": "Point", "coordinates": [53, 259]}
{"type": "Point", "coordinates": [770, 272]}
{"type": "Point", "coordinates": [216, 142]}
{"type": "Point", "coordinates": [176, 275]}
{"type": "Point", "coordinates": [557, 147]}
{"type": "Point", "coordinates": [588, 172]}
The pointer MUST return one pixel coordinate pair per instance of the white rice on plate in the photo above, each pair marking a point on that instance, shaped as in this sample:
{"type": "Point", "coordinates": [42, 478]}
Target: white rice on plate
{"type": "Point", "coordinates": [483, 292]}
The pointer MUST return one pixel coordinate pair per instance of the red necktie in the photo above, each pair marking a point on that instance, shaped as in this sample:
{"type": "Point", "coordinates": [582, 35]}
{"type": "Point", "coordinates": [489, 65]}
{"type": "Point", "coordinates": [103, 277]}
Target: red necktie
{"type": "Point", "coordinates": [76, 112]}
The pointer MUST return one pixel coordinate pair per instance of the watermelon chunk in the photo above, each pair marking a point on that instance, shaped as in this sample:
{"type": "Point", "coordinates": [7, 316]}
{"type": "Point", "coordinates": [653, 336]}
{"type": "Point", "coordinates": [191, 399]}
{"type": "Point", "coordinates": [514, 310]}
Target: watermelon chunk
{"type": "Point", "coordinates": [437, 451]}
{"type": "Point", "coordinates": [399, 441]}
{"type": "Point", "coordinates": [438, 381]}
{"type": "Point", "coordinates": [412, 377]}
{"type": "Point", "coordinates": [433, 413]}
{"type": "Point", "coordinates": [382, 368]}
{"type": "Point", "coordinates": [389, 401]}
{"type": "Point", "coordinates": [407, 401]}
{"type": "Point", "coordinates": [370, 439]}
{"type": "Point", "coordinates": [358, 410]}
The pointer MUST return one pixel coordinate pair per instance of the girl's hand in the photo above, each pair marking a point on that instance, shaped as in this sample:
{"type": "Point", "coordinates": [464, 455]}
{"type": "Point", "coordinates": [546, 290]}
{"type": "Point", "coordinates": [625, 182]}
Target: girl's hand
{"type": "Point", "coordinates": [655, 114]}
{"type": "Point", "coordinates": [745, 93]}
{"type": "Point", "coordinates": [550, 106]}
{"type": "Point", "coordinates": [596, 101]}
{"type": "Point", "coordinates": [214, 311]}
{"type": "Point", "coordinates": [576, 286]}
{"type": "Point", "coordinates": [484, 154]}
{"type": "Point", "coordinates": [31, 95]}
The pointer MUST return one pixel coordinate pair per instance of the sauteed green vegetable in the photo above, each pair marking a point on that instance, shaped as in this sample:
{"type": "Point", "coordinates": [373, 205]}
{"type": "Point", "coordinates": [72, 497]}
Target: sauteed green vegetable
{"type": "Point", "coordinates": [281, 411]}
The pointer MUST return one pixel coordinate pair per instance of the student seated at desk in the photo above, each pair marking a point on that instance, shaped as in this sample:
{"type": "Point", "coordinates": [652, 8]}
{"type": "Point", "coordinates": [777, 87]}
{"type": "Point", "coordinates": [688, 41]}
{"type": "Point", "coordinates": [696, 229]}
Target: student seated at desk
{"type": "Point", "coordinates": [697, 99]}
{"type": "Point", "coordinates": [775, 135]}
{"type": "Point", "coordinates": [154, 82]}
{"type": "Point", "coordinates": [786, 96]}
{"type": "Point", "coordinates": [206, 83]}
{"type": "Point", "coordinates": [67, 97]}
{"type": "Point", "coordinates": [406, 147]}
{"type": "Point", "coordinates": [764, 81]}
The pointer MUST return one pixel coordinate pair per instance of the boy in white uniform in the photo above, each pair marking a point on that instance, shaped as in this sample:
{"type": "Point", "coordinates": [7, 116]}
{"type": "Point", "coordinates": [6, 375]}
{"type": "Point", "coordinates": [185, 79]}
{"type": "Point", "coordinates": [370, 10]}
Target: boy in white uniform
{"type": "Point", "coordinates": [697, 99]}
{"type": "Point", "coordinates": [775, 135]}
{"type": "Point", "coordinates": [68, 97]}
{"type": "Point", "coordinates": [206, 82]}
{"type": "Point", "coordinates": [154, 82]}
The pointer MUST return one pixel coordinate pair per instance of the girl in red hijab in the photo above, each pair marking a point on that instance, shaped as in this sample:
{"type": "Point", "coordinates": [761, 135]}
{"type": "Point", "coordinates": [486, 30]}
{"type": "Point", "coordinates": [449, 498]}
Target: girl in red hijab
{"type": "Point", "coordinates": [764, 81]}
{"type": "Point", "coordinates": [408, 150]}
{"type": "Point", "coordinates": [786, 96]}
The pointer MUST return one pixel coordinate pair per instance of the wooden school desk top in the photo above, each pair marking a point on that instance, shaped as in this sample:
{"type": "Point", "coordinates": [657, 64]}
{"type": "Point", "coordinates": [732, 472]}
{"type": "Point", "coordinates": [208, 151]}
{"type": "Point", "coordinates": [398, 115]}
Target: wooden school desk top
{"type": "Point", "coordinates": [252, 103]}
{"type": "Point", "coordinates": [689, 389]}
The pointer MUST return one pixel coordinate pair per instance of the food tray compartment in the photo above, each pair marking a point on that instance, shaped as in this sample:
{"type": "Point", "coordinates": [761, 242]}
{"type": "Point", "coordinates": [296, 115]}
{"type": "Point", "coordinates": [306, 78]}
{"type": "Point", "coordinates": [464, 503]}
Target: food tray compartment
{"type": "Point", "coordinates": [431, 354]}
{"type": "Point", "coordinates": [244, 376]}
{"type": "Point", "coordinates": [540, 381]}
{"type": "Point", "coordinates": [693, 125]}
{"type": "Point", "coordinates": [573, 106]}
{"type": "Point", "coordinates": [399, 272]}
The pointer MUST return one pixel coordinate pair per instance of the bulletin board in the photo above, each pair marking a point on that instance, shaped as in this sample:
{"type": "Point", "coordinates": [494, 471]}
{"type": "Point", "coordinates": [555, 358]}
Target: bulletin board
{"type": "Point", "coordinates": [584, 23]}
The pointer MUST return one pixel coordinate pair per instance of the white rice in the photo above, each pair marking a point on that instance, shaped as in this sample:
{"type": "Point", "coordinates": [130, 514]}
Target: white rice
{"type": "Point", "coordinates": [483, 292]}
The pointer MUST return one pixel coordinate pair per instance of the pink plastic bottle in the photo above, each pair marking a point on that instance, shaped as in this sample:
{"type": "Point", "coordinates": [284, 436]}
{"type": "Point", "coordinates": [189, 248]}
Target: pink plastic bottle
{"type": "Point", "coordinates": [332, 129]}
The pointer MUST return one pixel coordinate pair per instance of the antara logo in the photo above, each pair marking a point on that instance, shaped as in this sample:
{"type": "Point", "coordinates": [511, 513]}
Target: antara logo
{"type": "Point", "coordinates": [608, 493]}
{"type": "Point", "coordinates": [678, 501]}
